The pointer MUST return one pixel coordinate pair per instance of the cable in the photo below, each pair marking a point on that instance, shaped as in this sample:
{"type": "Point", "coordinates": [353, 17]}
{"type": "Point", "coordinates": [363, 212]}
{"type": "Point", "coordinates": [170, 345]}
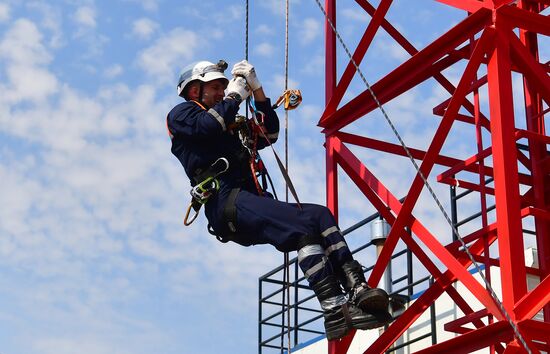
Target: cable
{"type": "Point", "coordinates": [426, 183]}
{"type": "Point", "coordinates": [286, 282]}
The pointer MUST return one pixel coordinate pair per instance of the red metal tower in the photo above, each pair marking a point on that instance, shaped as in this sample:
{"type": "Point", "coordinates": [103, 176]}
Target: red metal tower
{"type": "Point", "coordinates": [495, 40]}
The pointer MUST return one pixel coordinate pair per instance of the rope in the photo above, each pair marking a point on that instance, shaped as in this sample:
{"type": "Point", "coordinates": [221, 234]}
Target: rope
{"type": "Point", "coordinates": [286, 270]}
{"type": "Point", "coordinates": [284, 170]}
{"type": "Point", "coordinates": [427, 184]}
{"type": "Point", "coordinates": [286, 282]}
{"type": "Point", "coordinates": [246, 32]}
{"type": "Point", "coordinates": [246, 47]}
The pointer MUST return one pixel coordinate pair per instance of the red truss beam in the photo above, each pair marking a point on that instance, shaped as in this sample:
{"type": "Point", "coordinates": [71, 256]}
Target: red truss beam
{"type": "Point", "coordinates": [497, 38]}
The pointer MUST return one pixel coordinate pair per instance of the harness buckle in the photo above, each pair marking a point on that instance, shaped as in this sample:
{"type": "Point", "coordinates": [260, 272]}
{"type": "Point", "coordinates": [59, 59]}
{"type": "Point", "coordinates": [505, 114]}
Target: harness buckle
{"type": "Point", "coordinates": [203, 190]}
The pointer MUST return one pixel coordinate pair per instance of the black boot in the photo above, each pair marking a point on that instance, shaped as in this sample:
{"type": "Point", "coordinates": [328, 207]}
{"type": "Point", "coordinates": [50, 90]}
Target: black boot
{"type": "Point", "coordinates": [374, 301]}
{"type": "Point", "coordinates": [341, 316]}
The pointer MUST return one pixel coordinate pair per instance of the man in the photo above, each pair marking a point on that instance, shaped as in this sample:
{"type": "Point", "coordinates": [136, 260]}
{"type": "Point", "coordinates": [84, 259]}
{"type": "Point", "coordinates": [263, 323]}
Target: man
{"type": "Point", "coordinates": [203, 130]}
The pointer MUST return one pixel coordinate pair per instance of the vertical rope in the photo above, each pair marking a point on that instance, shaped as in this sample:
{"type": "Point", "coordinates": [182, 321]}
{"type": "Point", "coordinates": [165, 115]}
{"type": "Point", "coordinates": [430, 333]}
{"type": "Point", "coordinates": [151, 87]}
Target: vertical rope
{"type": "Point", "coordinates": [287, 262]}
{"type": "Point", "coordinates": [246, 50]}
{"type": "Point", "coordinates": [246, 33]}
{"type": "Point", "coordinates": [286, 270]}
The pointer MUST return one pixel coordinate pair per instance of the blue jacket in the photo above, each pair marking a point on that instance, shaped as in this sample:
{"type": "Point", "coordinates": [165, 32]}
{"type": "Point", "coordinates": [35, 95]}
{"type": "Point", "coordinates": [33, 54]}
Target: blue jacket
{"type": "Point", "coordinates": [200, 136]}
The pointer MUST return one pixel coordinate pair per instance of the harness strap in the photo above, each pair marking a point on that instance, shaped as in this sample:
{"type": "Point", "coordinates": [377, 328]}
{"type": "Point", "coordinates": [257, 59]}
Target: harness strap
{"type": "Point", "coordinates": [284, 171]}
{"type": "Point", "coordinates": [214, 170]}
{"type": "Point", "coordinates": [230, 210]}
{"type": "Point", "coordinates": [230, 217]}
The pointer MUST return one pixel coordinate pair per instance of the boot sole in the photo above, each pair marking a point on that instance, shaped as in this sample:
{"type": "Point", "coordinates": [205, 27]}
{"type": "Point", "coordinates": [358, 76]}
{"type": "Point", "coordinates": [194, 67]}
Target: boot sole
{"type": "Point", "coordinates": [336, 333]}
{"type": "Point", "coordinates": [377, 320]}
{"type": "Point", "coordinates": [337, 328]}
{"type": "Point", "coordinates": [373, 301]}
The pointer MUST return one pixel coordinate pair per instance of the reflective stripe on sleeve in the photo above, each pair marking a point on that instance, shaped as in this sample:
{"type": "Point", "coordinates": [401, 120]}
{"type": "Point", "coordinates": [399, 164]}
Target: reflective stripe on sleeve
{"type": "Point", "coordinates": [219, 118]}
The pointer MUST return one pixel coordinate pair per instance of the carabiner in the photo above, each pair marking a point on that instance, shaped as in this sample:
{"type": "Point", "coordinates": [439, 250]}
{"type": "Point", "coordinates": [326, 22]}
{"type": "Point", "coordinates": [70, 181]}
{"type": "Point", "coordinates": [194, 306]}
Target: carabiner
{"type": "Point", "coordinates": [186, 220]}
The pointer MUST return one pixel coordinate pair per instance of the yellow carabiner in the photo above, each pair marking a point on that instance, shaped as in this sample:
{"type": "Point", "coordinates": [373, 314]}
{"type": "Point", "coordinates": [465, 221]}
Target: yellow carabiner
{"type": "Point", "coordinates": [186, 220]}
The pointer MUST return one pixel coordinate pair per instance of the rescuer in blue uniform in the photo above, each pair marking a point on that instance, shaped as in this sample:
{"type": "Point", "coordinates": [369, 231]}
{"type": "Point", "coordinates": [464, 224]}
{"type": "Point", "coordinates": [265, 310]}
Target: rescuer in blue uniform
{"type": "Point", "coordinates": [203, 130]}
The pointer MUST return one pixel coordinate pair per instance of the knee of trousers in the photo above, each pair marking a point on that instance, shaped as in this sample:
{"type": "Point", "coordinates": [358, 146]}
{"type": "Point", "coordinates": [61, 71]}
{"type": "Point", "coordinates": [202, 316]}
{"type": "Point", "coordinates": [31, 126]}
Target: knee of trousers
{"type": "Point", "coordinates": [325, 215]}
{"type": "Point", "coordinates": [307, 240]}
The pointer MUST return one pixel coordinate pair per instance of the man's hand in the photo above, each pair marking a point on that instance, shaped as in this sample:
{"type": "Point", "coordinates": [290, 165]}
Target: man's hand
{"type": "Point", "coordinates": [237, 89]}
{"type": "Point", "coordinates": [244, 68]}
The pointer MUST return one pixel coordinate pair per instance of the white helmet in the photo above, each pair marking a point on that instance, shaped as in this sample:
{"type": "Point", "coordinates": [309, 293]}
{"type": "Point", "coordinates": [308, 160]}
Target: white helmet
{"type": "Point", "coordinates": [204, 71]}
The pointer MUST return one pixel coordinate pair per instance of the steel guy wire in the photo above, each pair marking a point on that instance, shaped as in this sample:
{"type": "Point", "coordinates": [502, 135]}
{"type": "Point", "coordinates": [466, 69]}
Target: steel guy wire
{"type": "Point", "coordinates": [426, 183]}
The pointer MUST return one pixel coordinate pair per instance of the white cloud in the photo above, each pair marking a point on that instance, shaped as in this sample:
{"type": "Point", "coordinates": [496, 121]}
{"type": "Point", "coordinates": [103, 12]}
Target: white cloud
{"type": "Point", "coordinates": [279, 82]}
{"type": "Point", "coordinates": [25, 56]}
{"type": "Point", "coordinates": [148, 5]}
{"type": "Point", "coordinates": [144, 28]}
{"type": "Point", "coordinates": [113, 71]}
{"type": "Point", "coordinates": [355, 14]}
{"type": "Point", "coordinates": [265, 30]}
{"type": "Point", "coordinates": [231, 13]}
{"type": "Point", "coordinates": [168, 52]}
{"type": "Point", "coordinates": [310, 29]}
{"type": "Point", "coordinates": [316, 65]}
{"type": "Point", "coordinates": [51, 21]}
{"type": "Point", "coordinates": [29, 83]}
{"type": "Point", "coordinates": [85, 16]}
{"type": "Point", "coordinates": [389, 48]}
{"type": "Point", "coordinates": [277, 7]}
{"type": "Point", "coordinates": [4, 12]}
{"type": "Point", "coordinates": [264, 49]}
{"type": "Point", "coordinates": [22, 44]}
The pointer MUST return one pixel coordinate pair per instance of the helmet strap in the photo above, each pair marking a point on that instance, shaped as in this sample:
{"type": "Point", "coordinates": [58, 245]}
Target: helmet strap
{"type": "Point", "coordinates": [201, 85]}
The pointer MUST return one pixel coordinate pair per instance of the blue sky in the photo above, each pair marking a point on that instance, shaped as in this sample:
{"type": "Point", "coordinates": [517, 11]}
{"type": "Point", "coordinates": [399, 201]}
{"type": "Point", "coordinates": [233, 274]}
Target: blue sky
{"type": "Point", "coordinates": [94, 257]}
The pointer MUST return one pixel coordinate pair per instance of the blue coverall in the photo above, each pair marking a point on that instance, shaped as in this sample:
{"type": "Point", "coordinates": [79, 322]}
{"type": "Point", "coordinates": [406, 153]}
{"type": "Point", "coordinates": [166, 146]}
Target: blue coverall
{"type": "Point", "coordinates": [200, 135]}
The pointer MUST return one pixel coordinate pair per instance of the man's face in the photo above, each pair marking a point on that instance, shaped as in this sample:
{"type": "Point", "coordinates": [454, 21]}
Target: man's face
{"type": "Point", "coordinates": [213, 92]}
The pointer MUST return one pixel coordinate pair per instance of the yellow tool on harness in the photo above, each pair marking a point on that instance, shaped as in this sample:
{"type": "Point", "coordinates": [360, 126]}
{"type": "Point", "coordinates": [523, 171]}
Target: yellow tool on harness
{"type": "Point", "coordinates": [207, 185]}
{"type": "Point", "coordinates": [291, 99]}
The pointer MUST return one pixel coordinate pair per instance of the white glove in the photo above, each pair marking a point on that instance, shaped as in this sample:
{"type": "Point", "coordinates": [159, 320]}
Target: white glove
{"type": "Point", "coordinates": [244, 68]}
{"type": "Point", "coordinates": [237, 87]}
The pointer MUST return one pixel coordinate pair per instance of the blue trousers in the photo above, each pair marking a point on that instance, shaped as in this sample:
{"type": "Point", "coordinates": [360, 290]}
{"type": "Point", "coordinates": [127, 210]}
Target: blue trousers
{"type": "Point", "coordinates": [263, 220]}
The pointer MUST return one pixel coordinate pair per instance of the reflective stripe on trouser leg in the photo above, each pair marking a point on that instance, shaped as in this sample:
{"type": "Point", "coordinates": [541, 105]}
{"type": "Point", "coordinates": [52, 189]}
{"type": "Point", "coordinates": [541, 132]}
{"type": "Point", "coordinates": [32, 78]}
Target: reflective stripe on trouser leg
{"type": "Point", "coordinates": [314, 263]}
{"type": "Point", "coordinates": [335, 245]}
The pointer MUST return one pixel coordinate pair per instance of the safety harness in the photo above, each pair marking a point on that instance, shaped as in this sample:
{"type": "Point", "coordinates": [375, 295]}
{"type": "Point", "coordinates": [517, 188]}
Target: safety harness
{"type": "Point", "coordinates": [206, 183]}
{"type": "Point", "coordinates": [249, 132]}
